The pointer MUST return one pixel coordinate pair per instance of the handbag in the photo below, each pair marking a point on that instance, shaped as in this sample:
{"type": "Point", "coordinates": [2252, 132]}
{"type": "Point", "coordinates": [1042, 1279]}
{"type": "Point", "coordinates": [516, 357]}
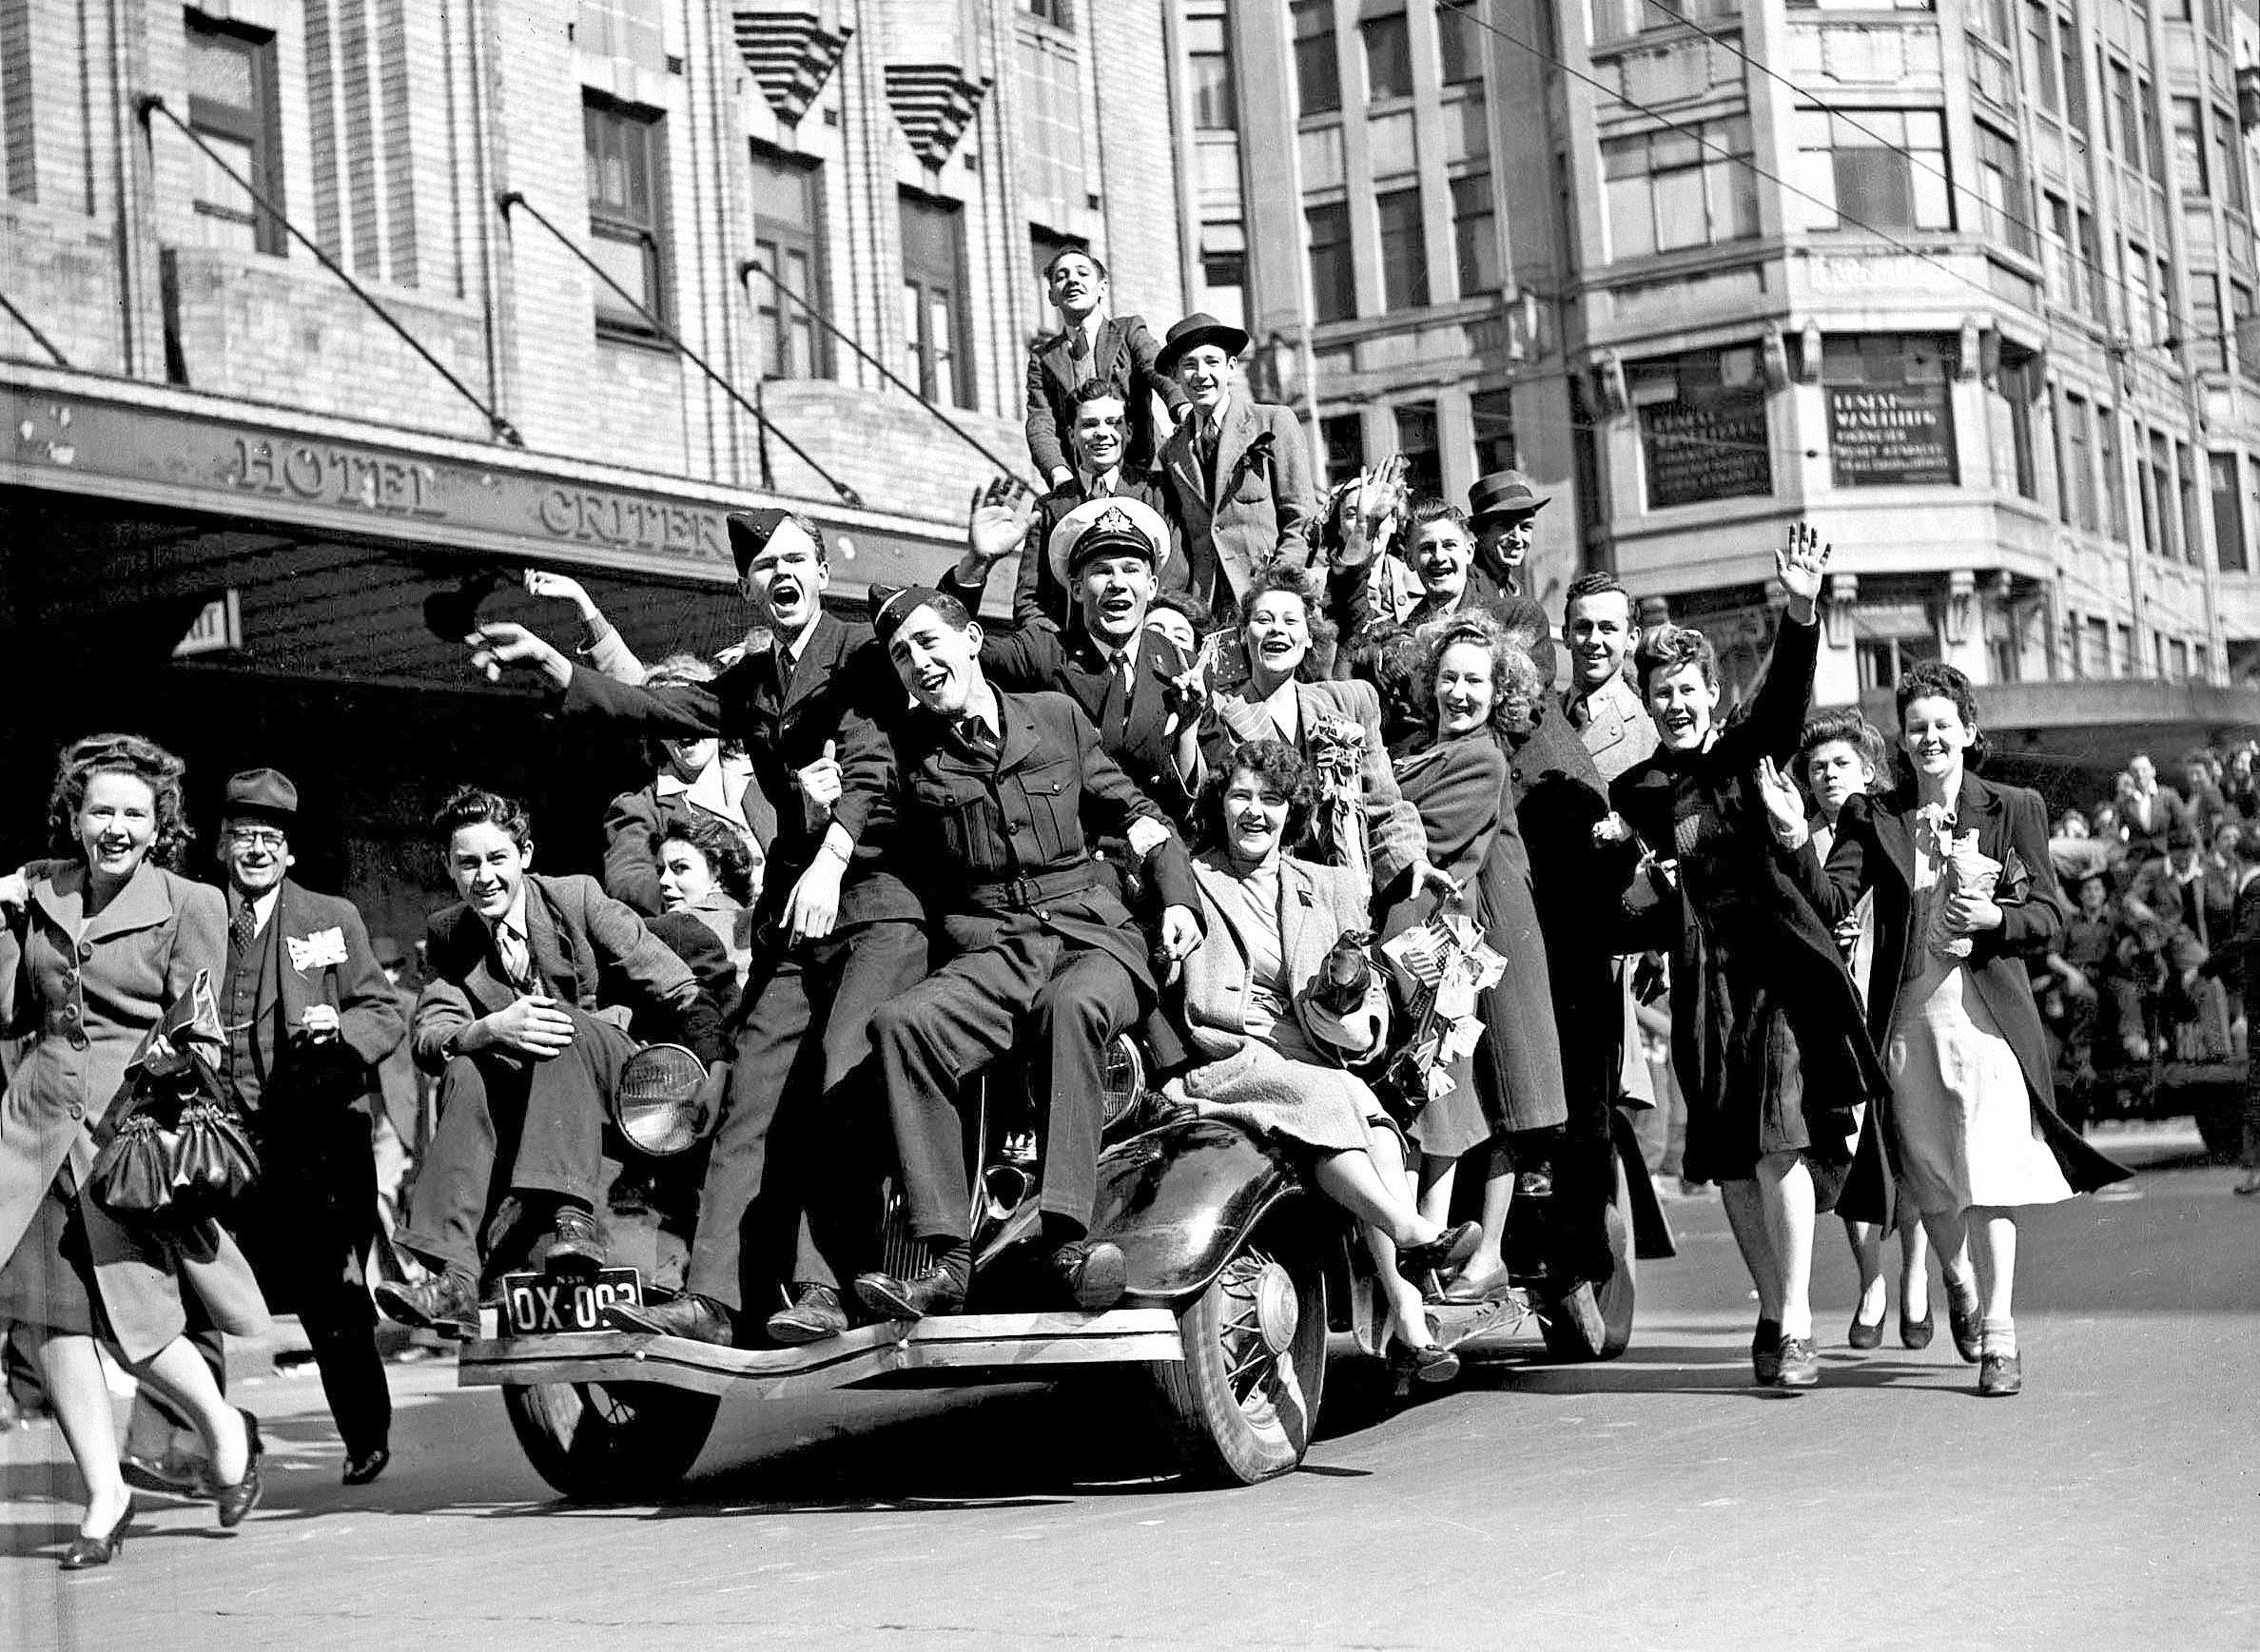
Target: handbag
{"type": "Point", "coordinates": [179, 1150]}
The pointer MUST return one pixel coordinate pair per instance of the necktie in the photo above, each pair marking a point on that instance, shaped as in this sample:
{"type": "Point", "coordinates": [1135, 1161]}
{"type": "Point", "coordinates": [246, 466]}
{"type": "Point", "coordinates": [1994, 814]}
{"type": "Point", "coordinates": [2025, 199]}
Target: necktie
{"type": "Point", "coordinates": [516, 961]}
{"type": "Point", "coordinates": [976, 734]}
{"type": "Point", "coordinates": [244, 929]}
{"type": "Point", "coordinates": [1581, 713]}
{"type": "Point", "coordinates": [1113, 711]}
{"type": "Point", "coordinates": [1079, 351]}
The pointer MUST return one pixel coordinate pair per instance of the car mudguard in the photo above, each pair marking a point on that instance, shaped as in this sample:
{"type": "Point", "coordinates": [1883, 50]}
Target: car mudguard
{"type": "Point", "coordinates": [1180, 1198]}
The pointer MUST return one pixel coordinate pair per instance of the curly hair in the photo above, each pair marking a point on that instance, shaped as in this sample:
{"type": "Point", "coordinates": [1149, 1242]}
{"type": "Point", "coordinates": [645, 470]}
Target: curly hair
{"type": "Point", "coordinates": [1515, 683]}
{"type": "Point", "coordinates": [1936, 679]}
{"type": "Point", "coordinates": [1389, 656]}
{"type": "Point", "coordinates": [728, 862]}
{"type": "Point", "coordinates": [1274, 763]}
{"type": "Point", "coordinates": [1842, 723]}
{"type": "Point", "coordinates": [1284, 576]}
{"type": "Point", "coordinates": [1669, 648]}
{"type": "Point", "coordinates": [146, 761]}
{"type": "Point", "coordinates": [473, 805]}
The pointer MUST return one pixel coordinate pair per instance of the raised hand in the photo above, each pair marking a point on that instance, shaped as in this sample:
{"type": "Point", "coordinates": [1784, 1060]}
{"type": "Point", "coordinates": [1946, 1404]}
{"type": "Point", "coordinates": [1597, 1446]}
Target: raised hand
{"type": "Point", "coordinates": [1784, 803]}
{"type": "Point", "coordinates": [502, 643]}
{"type": "Point", "coordinates": [558, 587]}
{"type": "Point", "coordinates": [998, 520]}
{"type": "Point", "coordinates": [1800, 566]}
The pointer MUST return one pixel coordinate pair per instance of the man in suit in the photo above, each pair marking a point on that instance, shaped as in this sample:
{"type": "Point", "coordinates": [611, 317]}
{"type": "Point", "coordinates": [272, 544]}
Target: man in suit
{"type": "Point", "coordinates": [1134, 684]}
{"type": "Point", "coordinates": [1098, 438]}
{"type": "Point", "coordinates": [1600, 702]}
{"type": "Point", "coordinates": [1000, 789]}
{"type": "Point", "coordinates": [1503, 510]}
{"type": "Point", "coordinates": [309, 1018]}
{"type": "Point", "coordinates": [2148, 810]}
{"type": "Point", "coordinates": [1239, 473]}
{"type": "Point", "coordinates": [1091, 347]}
{"type": "Point", "coordinates": [850, 932]}
{"type": "Point", "coordinates": [1439, 546]}
{"type": "Point", "coordinates": [534, 982]}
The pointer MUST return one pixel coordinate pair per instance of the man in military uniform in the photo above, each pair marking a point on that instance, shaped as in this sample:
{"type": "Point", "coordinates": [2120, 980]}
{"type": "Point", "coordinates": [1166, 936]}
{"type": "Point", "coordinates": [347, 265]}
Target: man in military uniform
{"type": "Point", "coordinates": [1001, 790]}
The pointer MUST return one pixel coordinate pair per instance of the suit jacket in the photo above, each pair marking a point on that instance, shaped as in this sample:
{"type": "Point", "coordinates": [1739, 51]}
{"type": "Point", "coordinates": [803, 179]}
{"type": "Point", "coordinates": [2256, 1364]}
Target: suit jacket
{"type": "Point", "coordinates": [1394, 834]}
{"type": "Point", "coordinates": [1040, 659]}
{"type": "Point", "coordinates": [1617, 731]}
{"type": "Point", "coordinates": [1317, 906]}
{"type": "Point", "coordinates": [1261, 508]}
{"type": "Point", "coordinates": [341, 1073]}
{"type": "Point", "coordinates": [1124, 358]}
{"type": "Point", "coordinates": [2147, 840]}
{"type": "Point", "coordinates": [1875, 850]}
{"type": "Point", "coordinates": [1039, 596]}
{"type": "Point", "coordinates": [1010, 841]}
{"type": "Point", "coordinates": [588, 950]}
{"type": "Point", "coordinates": [841, 688]}
{"type": "Point", "coordinates": [89, 990]}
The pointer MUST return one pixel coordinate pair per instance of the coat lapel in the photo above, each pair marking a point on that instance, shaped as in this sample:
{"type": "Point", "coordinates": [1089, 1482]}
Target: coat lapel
{"type": "Point", "coordinates": [142, 903]}
{"type": "Point", "coordinates": [1108, 350]}
{"type": "Point", "coordinates": [815, 662]}
{"type": "Point", "coordinates": [1295, 899]}
{"type": "Point", "coordinates": [543, 942]}
{"type": "Point", "coordinates": [1183, 460]}
{"type": "Point", "coordinates": [290, 918]}
{"type": "Point", "coordinates": [1239, 429]}
{"type": "Point", "coordinates": [1019, 731]}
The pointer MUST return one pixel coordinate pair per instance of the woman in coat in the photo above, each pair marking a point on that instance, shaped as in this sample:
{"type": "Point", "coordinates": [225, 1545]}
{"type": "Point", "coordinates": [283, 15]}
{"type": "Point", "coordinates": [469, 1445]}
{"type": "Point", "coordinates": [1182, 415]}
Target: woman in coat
{"type": "Point", "coordinates": [94, 949]}
{"type": "Point", "coordinates": [1271, 1056]}
{"type": "Point", "coordinates": [1767, 1037]}
{"type": "Point", "coordinates": [1950, 1003]}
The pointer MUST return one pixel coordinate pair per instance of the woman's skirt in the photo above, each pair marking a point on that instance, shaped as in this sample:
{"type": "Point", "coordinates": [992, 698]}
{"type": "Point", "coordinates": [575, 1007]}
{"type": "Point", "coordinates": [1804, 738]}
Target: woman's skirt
{"type": "Point", "coordinates": [1959, 1105]}
{"type": "Point", "coordinates": [49, 1280]}
{"type": "Point", "coordinates": [1263, 1092]}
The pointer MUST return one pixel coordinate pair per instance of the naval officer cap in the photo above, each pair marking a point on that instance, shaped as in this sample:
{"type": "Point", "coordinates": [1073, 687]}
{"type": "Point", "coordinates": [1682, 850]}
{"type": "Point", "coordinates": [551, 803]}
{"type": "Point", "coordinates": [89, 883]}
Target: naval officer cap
{"type": "Point", "coordinates": [1106, 527]}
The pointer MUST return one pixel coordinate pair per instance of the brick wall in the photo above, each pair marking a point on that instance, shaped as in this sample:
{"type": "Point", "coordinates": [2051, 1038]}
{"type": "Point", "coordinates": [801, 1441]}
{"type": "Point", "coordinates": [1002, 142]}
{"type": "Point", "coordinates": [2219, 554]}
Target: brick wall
{"type": "Point", "coordinates": [1136, 163]}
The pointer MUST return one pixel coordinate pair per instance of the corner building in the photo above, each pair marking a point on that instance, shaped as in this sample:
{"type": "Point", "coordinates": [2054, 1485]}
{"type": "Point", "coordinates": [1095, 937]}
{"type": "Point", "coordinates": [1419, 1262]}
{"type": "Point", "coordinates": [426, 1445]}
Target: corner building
{"type": "Point", "coordinates": [1968, 288]}
{"type": "Point", "coordinates": [240, 510]}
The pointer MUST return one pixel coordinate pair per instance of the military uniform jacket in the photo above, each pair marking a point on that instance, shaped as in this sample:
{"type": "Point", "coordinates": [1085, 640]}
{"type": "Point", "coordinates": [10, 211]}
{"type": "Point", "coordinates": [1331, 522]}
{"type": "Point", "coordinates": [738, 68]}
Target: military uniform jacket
{"type": "Point", "coordinates": [1007, 840]}
{"type": "Point", "coordinates": [841, 689]}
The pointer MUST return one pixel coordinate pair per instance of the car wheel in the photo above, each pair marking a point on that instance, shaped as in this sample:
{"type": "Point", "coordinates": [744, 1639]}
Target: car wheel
{"type": "Point", "coordinates": [1241, 1405]}
{"type": "Point", "coordinates": [610, 1442]}
{"type": "Point", "coordinates": [1567, 1329]}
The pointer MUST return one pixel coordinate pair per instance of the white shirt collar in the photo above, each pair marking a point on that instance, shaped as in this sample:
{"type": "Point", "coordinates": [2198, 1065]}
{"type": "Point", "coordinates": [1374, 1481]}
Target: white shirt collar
{"type": "Point", "coordinates": [515, 920]}
{"type": "Point", "coordinates": [1112, 479]}
{"type": "Point", "coordinates": [793, 650]}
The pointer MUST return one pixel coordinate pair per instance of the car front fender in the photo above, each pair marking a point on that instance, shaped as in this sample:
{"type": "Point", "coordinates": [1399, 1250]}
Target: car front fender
{"type": "Point", "coordinates": [1180, 1198]}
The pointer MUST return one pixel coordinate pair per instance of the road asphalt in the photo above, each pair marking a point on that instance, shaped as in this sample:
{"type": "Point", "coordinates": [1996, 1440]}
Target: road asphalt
{"type": "Point", "coordinates": [1658, 1502]}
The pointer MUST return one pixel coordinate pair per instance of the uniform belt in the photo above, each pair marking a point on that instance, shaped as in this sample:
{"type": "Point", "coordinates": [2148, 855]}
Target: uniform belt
{"type": "Point", "coordinates": [1020, 894]}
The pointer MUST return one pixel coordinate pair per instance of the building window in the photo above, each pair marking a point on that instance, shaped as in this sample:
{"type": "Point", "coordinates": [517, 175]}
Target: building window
{"type": "Point", "coordinates": [2001, 186]}
{"type": "Point", "coordinates": [2208, 343]}
{"type": "Point", "coordinates": [1704, 433]}
{"type": "Point", "coordinates": [2076, 109]}
{"type": "Point", "coordinates": [2245, 352]}
{"type": "Point", "coordinates": [2078, 483]}
{"type": "Point", "coordinates": [2039, 56]}
{"type": "Point", "coordinates": [627, 214]}
{"type": "Point", "coordinates": [1624, 19]}
{"type": "Point", "coordinates": [1474, 235]}
{"type": "Point", "coordinates": [231, 106]}
{"type": "Point", "coordinates": [2159, 536]}
{"type": "Point", "coordinates": [1459, 44]}
{"type": "Point", "coordinates": [1334, 285]}
{"type": "Point", "coordinates": [1890, 409]}
{"type": "Point", "coordinates": [2228, 161]}
{"type": "Point", "coordinates": [1874, 169]}
{"type": "Point", "coordinates": [2091, 267]}
{"type": "Point", "coordinates": [1992, 20]}
{"type": "Point", "coordinates": [1493, 414]}
{"type": "Point", "coordinates": [1224, 273]}
{"type": "Point", "coordinates": [1885, 659]}
{"type": "Point", "coordinates": [1417, 441]}
{"type": "Point", "coordinates": [1051, 121]}
{"type": "Point", "coordinates": [2192, 525]}
{"type": "Point", "coordinates": [2188, 147]}
{"type": "Point", "coordinates": [934, 325]}
{"type": "Point", "coordinates": [2097, 653]}
{"type": "Point", "coordinates": [1388, 56]}
{"type": "Point", "coordinates": [2153, 145]}
{"type": "Point", "coordinates": [2142, 303]}
{"type": "Point", "coordinates": [2021, 390]}
{"type": "Point", "coordinates": [1666, 190]}
{"type": "Point", "coordinates": [1208, 56]}
{"type": "Point", "coordinates": [2114, 475]}
{"type": "Point", "coordinates": [1404, 250]}
{"type": "Point", "coordinates": [1317, 69]}
{"type": "Point", "coordinates": [1343, 437]}
{"type": "Point", "coordinates": [1055, 12]}
{"type": "Point", "coordinates": [2122, 134]}
{"type": "Point", "coordinates": [789, 239]}
{"type": "Point", "coordinates": [2228, 514]}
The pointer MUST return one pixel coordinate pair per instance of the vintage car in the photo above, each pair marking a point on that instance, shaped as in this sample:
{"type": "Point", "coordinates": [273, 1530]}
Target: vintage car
{"type": "Point", "coordinates": [1246, 1290]}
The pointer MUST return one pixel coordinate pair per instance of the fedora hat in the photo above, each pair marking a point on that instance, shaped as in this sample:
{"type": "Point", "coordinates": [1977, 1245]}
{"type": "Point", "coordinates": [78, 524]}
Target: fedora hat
{"type": "Point", "coordinates": [267, 792]}
{"type": "Point", "coordinates": [1195, 330]}
{"type": "Point", "coordinates": [1504, 494]}
{"type": "Point", "coordinates": [1103, 527]}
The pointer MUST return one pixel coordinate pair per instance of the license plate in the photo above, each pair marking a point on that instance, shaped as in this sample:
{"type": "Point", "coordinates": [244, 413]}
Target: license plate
{"type": "Point", "coordinates": [544, 1305]}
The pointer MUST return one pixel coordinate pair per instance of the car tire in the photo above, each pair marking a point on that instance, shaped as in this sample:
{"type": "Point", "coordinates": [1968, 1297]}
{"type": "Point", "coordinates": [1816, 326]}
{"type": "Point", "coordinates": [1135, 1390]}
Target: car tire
{"type": "Point", "coordinates": [1242, 1404]}
{"type": "Point", "coordinates": [610, 1442]}
{"type": "Point", "coordinates": [1568, 1339]}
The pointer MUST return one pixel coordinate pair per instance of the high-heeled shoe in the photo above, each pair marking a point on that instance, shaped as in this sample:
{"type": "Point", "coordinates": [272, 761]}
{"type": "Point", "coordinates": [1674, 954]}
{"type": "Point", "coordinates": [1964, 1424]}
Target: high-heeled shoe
{"type": "Point", "coordinates": [1448, 1249]}
{"type": "Point", "coordinates": [1965, 1317]}
{"type": "Point", "coordinates": [86, 1552]}
{"type": "Point", "coordinates": [1917, 1332]}
{"type": "Point", "coordinates": [1862, 1336]}
{"type": "Point", "coordinates": [1431, 1363]}
{"type": "Point", "coordinates": [235, 1502]}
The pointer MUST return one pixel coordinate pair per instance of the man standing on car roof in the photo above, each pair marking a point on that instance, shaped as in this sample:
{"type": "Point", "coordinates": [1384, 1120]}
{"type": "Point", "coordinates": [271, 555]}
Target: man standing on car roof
{"type": "Point", "coordinates": [1000, 790]}
{"type": "Point", "coordinates": [849, 933]}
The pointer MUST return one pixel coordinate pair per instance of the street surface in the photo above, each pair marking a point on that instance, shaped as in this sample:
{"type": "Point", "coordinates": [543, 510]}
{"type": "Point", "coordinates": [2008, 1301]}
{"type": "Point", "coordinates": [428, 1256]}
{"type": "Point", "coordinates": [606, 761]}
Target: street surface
{"type": "Point", "coordinates": [1658, 1501]}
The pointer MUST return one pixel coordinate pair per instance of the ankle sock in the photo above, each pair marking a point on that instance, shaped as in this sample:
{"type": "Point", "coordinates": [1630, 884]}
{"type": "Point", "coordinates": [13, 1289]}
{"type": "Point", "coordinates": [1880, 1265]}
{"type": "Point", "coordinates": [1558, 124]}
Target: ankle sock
{"type": "Point", "coordinates": [2000, 1337]}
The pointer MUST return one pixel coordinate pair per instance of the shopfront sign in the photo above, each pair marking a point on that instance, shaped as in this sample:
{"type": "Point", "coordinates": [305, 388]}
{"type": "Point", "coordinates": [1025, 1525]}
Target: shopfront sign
{"type": "Point", "coordinates": [1882, 436]}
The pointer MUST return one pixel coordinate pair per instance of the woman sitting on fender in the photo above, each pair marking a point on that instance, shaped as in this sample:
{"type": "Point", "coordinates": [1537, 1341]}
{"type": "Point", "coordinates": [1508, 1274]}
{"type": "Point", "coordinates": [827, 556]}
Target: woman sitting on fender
{"type": "Point", "coordinates": [1274, 1042]}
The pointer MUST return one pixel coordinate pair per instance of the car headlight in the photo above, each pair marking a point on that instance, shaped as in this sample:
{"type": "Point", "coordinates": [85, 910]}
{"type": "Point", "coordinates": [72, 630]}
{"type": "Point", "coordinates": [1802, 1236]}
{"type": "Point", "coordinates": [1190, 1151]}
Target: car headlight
{"type": "Point", "coordinates": [1121, 1078]}
{"type": "Point", "coordinates": [657, 1101]}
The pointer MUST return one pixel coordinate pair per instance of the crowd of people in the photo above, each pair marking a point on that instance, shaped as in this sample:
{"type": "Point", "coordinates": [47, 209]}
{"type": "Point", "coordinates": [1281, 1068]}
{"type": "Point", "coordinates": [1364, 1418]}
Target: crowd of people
{"type": "Point", "coordinates": [1242, 750]}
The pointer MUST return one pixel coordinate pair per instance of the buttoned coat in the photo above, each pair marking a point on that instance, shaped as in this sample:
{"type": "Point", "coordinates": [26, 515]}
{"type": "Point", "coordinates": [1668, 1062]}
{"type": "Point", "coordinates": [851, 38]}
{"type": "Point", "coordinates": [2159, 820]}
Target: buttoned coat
{"type": "Point", "coordinates": [1317, 906]}
{"type": "Point", "coordinates": [1123, 356]}
{"type": "Point", "coordinates": [1618, 732]}
{"type": "Point", "coordinates": [589, 951]}
{"type": "Point", "coordinates": [1261, 510]}
{"type": "Point", "coordinates": [89, 990]}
